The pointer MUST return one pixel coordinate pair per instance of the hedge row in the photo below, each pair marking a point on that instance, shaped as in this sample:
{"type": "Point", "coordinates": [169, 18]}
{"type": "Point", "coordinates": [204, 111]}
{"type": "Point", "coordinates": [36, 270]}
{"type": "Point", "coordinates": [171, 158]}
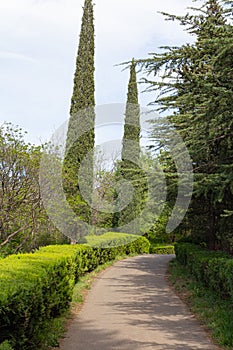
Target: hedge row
{"type": "Point", "coordinates": [214, 269]}
{"type": "Point", "coordinates": [39, 286]}
{"type": "Point", "coordinates": [162, 250]}
{"type": "Point", "coordinates": [109, 239]}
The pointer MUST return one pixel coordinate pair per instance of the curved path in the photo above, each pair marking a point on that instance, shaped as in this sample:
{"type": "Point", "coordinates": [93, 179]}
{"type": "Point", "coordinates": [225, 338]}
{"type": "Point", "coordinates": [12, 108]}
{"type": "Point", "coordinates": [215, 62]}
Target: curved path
{"type": "Point", "coordinates": [131, 307]}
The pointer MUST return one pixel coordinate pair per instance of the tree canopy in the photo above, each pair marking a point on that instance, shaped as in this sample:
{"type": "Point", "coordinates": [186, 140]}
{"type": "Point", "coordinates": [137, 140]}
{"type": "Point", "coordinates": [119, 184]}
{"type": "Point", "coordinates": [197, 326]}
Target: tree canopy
{"type": "Point", "coordinates": [195, 90]}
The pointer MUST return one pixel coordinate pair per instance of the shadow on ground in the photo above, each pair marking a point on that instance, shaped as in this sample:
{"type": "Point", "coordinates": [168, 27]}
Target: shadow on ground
{"type": "Point", "coordinates": [132, 307]}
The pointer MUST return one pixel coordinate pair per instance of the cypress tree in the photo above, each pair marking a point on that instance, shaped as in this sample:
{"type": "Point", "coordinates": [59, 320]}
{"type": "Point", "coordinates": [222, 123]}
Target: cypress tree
{"type": "Point", "coordinates": [80, 135]}
{"type": "Point", "coordinates": [129, 168]}
{"type": "Point", "coordinates": [132, 121]}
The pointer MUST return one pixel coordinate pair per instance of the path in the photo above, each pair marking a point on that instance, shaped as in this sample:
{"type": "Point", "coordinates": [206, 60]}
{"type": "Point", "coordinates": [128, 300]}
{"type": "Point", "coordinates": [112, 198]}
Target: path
{"type": "Point", "coordinates": [131, 307]}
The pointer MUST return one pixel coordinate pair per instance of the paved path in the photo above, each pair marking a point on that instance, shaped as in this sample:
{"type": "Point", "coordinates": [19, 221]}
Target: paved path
{"type": "Point", "coordinates": [131, 307]}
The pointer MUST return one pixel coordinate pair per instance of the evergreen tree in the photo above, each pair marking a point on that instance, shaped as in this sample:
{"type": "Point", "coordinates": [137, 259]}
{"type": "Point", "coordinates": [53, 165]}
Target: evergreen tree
{"type": "Point", "coordinates": [129, 166]}
{"type": "Point", "coordinates": [197, 87]}
{"type": "Point", "coordinates": [132, 122]}
{"type": "Point", "coordinates": [80, 136]}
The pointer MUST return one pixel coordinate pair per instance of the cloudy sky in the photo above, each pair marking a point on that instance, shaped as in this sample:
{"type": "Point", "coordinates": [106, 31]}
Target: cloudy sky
{"type": "Point", "coordinates": [38, 46]}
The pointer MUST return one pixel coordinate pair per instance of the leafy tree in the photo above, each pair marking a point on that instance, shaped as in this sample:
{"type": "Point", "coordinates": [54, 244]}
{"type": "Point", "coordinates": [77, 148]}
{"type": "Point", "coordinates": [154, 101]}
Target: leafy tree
{"type": "Point", "coordinates": [24, 224]}
{"type": "Point", "coordinates": [80, 136]}
{"type": "Point", "coordinates": [196, 87]}
{"type": "Point", "coordinates": [104, 193]}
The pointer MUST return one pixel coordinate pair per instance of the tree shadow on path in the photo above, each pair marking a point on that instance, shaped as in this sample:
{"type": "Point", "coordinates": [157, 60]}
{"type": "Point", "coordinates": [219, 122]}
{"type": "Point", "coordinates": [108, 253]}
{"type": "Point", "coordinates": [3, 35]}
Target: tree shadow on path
{"type": "Point", "coordinates": [132, 307]}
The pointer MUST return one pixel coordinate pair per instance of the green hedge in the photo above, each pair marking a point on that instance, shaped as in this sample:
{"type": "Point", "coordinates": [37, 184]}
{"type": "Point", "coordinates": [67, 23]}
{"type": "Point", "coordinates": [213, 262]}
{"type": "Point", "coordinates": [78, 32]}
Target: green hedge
{"type": "Point", "coordinates": [35, 287]}
{"type": "Point", "coordinates": [162, 250]}
{"type": "Point", "coordinates": [110, 239]}
{"type": "Point", "coordinates": [213, 269]}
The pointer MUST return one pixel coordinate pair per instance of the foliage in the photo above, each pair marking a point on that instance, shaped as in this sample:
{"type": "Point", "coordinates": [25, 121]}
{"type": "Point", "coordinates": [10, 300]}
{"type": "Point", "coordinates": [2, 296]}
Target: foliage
{"type": "Point", "coordinates": [110, 238]}
{"type": "Point", "coordinates": [196, 92]}
{"type": "Point", "coordinates": [104, 193]}
{"type": "Point", "coordinates": [213, 268]}
{"type": "Point", "coordinates": [157, 233]}
{"type": "Point", "coordinates": [38, 287]}
{"type": "Point", "coordinates": [212, 311]}
{"type": "Point", "coordinates": [80, 136]}
{"type": "Point", "coordinates": [115, 243]}
{"type": "Point", "coordinates": [24, 224]}
{"type": "Point", "coordinates": [6, 346]}
{"type": "Point", "coordinates": [160, 249]}
{"type": "Point", "coordinates": [129, 166]}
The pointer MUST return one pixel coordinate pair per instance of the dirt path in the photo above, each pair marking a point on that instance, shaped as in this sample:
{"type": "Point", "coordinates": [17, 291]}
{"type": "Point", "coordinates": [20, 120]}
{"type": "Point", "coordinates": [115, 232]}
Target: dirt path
{"type": "Point", "coordinates": [131, 307]}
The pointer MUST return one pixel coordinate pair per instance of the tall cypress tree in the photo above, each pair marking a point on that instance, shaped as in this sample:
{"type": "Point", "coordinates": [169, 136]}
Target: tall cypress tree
{"type": "Point", "coordinates": [132, 122]}
{"type": "Point", "coordinates": [80, 136]}
{"type": "Point", "coordinates": [129, 168]}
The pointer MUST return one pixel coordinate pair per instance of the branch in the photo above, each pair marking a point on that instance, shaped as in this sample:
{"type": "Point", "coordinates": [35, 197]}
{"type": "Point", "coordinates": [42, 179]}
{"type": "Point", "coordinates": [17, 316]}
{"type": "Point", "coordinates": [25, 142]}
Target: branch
{"type": "Point", "coordinates": [13, 235]}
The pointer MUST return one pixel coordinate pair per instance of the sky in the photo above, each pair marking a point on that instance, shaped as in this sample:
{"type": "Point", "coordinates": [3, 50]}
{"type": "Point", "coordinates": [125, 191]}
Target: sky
{"type": "Point", "coordinates": [38, 47]}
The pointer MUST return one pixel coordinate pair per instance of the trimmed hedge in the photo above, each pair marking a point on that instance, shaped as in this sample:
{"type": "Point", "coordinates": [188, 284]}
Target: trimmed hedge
{"type": "Point", "coordinates": [213, 268]}
{"type": "Point", "coordinates": [39, 286]}
{"type": "Point", "coordinates": [162, 250]}
{"type": "Point", "coordinates": [110, 239]}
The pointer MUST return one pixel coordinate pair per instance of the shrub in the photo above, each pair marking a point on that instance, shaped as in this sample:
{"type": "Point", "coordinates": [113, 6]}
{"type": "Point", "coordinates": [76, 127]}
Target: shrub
{"type": "Point", "coordinates": [213, 268]}
{"type": "Point", "coordinates": [39, 286]}
{"type": "Point", "coordinates": [6, 346]}
{"type": "Point", "coordinates": [162, 250]}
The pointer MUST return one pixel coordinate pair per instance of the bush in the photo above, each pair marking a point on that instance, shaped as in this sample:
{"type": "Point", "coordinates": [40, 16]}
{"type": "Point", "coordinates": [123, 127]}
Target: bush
{"type": "Point", "coordinates": [213, 268]}
{"type": "Point", "coordinates": [110, 239]}
{"type": "Point", "coordinates": [6, 346]}
{"type": "Point", "coordinates": [36, 287]}
{"type": "Point", "coordinates": [169, 249]}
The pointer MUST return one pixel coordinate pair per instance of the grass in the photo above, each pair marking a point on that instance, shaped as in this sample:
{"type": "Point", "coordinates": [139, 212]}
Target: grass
{"type": "Point", "coordinates": [214, 313]}
{"type": "Point", "coordinates": [55, 329]}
